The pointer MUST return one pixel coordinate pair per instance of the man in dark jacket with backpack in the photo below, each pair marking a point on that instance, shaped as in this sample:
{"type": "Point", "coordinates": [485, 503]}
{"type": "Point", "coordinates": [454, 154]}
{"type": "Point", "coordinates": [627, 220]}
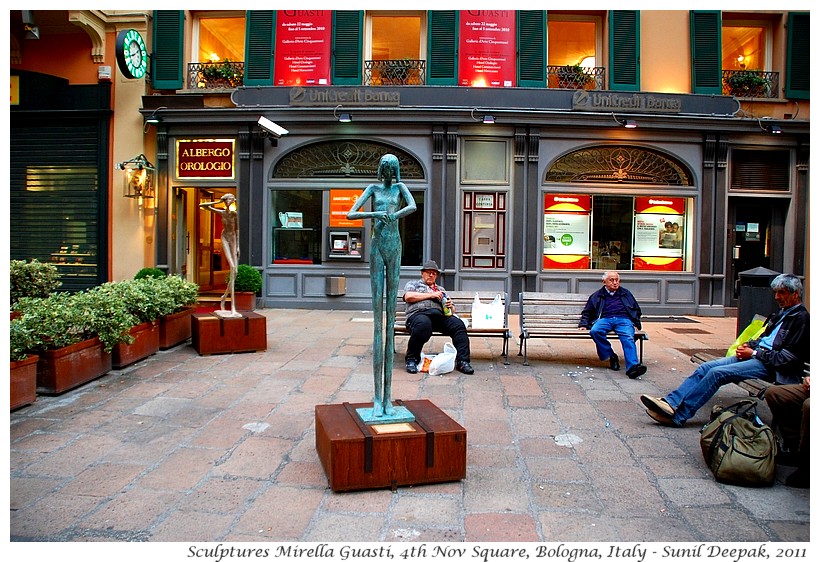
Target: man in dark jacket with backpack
{"type": "Point", "coordinates": [776, 356]}
{"type": "Point", "coordinates": [613, 309]}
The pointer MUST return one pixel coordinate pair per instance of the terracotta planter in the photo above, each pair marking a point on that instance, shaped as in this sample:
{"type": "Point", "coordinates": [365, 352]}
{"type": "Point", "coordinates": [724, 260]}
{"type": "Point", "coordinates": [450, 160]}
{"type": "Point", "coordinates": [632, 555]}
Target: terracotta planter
{"type": "Point", "coordinates": [175, 328]}
{"type": "Point", "coordinates": [68, 367]}
{"type": "Point", "coordinates": [245, 300]}
{"type": "Point", "coordinates": [23, 382]}
{"type": "Point", "coordinates": [146, 343]}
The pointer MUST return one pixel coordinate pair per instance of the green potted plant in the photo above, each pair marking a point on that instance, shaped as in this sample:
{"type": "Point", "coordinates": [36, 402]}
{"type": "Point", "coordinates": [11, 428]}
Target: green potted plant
{"type": "Point", "coordinates": [23, 368]}
{"type": "Point", "coordinates": [154, 272]}
{"type": "Point", "coordinates": [75, 334]}
{"type": "Point", "coordinates": [574, 76]}
{"type": "Point", "coordinates": [175, 321]}
{"type": "Point", "coordinates": [247, 284]}
{"type": "Point", "coordinates": [224, 73]}
{"type": "Point", "coordinates": [32, 279]}
{"type": "Point", "coordinates": [746, 84]}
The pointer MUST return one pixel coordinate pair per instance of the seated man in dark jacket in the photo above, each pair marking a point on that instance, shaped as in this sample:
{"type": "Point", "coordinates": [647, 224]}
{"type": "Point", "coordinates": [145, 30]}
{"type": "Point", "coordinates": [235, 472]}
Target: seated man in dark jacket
{"type": "Point", "coordinates": [613, 309]}
{"type": "Point", "coordinates": [777, 356]}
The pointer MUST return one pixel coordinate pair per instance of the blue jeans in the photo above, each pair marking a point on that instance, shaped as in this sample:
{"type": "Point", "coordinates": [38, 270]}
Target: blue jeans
{"type": "Point", "coordinates": [700, 386]}
{"type": "Point", "coordinates": [626, 333]}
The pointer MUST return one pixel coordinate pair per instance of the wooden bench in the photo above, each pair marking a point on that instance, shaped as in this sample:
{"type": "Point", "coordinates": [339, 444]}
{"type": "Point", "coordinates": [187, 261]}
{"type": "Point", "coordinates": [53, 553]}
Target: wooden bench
{"type": "Point", "coordinates": [556, 315]}
{"type": "Point", "coordinates": [463, 302]}
{"type": "Point", "coordinates": [755, 387]}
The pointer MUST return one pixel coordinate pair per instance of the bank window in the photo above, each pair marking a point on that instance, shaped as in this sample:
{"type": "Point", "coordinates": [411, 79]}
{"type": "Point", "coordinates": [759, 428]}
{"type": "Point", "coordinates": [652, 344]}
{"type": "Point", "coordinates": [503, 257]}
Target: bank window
{"type": "Point", "coordinates": [485, 161]}
{"type": "Point", "coordinates": [296, 237]}
{"type": "Point", "coordinates": [484, 228]}
{"type": "Point", "coordinates": [219, 37]}
{"type": "Point", "coordinates": [396, 51]}
{"type": "Point", "coordinates": [645, 233]}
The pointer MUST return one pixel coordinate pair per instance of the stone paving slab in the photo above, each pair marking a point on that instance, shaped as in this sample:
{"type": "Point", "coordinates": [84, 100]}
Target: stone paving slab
{"type": "Point", "coordinates": [222, 448]}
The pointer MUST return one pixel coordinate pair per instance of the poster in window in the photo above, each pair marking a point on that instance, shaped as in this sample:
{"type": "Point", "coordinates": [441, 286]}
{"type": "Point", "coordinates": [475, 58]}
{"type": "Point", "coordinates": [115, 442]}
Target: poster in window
{"type": "Point", "coordinates": [487, 48]}
{"type": "Point", "coordinates": [659, 233]}
{"type": "Point", "coordinates": [302, 54]}
{"type": "Point", "coordinates": [341, 201]}
{"type": "Point", "coordinates": [566, 231]}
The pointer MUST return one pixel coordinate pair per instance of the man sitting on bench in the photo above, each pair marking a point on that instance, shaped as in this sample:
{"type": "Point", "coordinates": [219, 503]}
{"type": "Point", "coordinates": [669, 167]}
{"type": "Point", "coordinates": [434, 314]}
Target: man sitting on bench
{"type": "Point", "coordinates": [613, 309]}
{"type": "Point", "coordinates": [777, 356]}
{"type": "Point", "coordinates": [426, 304]}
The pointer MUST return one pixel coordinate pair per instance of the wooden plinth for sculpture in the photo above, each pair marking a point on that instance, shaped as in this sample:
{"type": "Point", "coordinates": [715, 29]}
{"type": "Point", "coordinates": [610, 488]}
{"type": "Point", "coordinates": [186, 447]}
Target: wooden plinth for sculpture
{"type": "Point", "coordinates": [211, 334]}
{"type": "Point", "coordinates": [357, 456]}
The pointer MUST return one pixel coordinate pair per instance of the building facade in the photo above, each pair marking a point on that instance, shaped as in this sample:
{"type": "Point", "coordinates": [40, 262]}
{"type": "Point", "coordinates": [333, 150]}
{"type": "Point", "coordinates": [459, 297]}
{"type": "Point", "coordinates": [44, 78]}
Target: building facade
{"type": "Point", "coordinates": [541, 148]}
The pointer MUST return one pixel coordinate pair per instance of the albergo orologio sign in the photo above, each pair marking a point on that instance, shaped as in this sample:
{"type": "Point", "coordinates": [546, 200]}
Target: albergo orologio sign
{"type": "Point", "coordinates": [205, 159]}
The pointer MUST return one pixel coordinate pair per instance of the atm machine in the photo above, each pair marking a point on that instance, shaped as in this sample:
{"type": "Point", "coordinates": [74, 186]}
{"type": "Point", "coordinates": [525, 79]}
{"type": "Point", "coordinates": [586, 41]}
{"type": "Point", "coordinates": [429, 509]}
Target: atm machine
{"type": "Point", "coordinates": [345, 244]}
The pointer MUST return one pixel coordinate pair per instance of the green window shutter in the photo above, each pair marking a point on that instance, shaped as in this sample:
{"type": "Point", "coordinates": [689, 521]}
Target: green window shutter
{"type": "Point", "coordinates": [624, 50]}
{"type": "Point", "coordinates": [347, 48]}
{"type": "Point", "coordinates": [167, 53]}
{"type": "Point", "coordinates": [259, 41]}
{"type": "Point", "coordinates": [442, 47]}
{"type": "Point", "coordinates": [705, 29]}
{"type": "Point", "coordinates": [798, 52]}
{"type": "Point", "coordinates": [532, 48]}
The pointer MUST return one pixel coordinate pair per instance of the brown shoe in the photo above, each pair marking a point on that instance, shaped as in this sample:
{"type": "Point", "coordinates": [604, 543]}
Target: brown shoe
{"type": "Point", "coordinates": [663, 420]}
{"type": "Point", "coordinates": [658, 405]}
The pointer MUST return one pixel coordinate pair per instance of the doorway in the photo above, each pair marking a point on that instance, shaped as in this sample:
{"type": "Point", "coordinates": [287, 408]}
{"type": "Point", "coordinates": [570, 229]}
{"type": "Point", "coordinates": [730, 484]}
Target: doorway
{"type": "Point", "coordinates": [203, 234]}
{"type": "Point", "coordinates": [755, 237]}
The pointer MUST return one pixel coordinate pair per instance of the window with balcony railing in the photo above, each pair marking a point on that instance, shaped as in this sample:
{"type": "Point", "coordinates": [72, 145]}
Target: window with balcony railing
{"type": "Point", "coordinates": [400, 72]}
{"type": "Point", "coordinates": [751, 83]}
{"type": "Point", "coordinates": [746, 51]}
{"type": "Point", "coordinates": [573, 45]}
{"type": "Point", "coordinates": [395, 49]}
{"type": "Point", "coordinates": [220, 51]}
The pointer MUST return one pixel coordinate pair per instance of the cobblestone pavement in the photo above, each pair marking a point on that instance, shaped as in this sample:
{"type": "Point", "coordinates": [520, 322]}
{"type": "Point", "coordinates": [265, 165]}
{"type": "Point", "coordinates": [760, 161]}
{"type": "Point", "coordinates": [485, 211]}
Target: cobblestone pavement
{"type": "Point", "coordinates": [181, 447]}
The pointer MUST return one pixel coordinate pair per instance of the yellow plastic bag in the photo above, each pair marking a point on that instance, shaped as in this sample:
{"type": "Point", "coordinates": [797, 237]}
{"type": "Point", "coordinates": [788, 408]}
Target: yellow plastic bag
{"type": "Point", "coordinates": [752, 331]}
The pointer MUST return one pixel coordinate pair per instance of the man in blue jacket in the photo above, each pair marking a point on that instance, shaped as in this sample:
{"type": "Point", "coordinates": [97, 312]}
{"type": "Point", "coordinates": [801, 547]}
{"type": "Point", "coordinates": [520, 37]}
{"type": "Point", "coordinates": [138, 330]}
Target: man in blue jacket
{"type": "Point", "coordinates": [613, 309]}
{"type": "Point", "coordinates": [776, 356]}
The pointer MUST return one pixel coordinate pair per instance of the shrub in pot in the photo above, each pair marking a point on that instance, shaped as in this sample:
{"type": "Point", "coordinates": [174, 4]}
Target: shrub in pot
{"type": "Point", "coordinates": [32, 279]}
{"type": "Point", "coordinates": [248, 282]}
{"type": "Point", "coordinates": [177, 297]}
{"type": "Point", "coordinates": [23, 365]}
{"type": "Point", "coordinates": [149, 272]}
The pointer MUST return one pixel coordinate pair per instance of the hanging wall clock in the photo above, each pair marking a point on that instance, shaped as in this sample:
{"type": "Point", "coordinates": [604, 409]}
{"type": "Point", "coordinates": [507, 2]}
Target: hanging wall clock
{"type": "Point", "coordinates": [132, 56]}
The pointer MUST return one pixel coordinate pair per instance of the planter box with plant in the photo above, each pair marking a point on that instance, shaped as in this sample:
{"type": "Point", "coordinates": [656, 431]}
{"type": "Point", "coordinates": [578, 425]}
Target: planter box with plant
{"type": "Point", "coordinates": [32, 279]}
{"type": "Point", "coordinates": [247, 284]}
{"type": "Point", "coordinates": [175, 322]}
{"type": "Point", "coordinates": [746, 84]}
{"type": "Point", "coordinates": [23, 365]}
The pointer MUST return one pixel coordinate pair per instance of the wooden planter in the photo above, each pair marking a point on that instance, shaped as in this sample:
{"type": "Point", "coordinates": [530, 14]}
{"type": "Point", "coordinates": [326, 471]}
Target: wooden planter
{"type": "Point", "coordinates": [175, 328]}
{"type": "Point", "coordinates": [23, 382]}
{"type": "Point", "coordinates": [68, 367]}
{"type": "Point", "coordinates": [146, 343]}
{"type": "Point", "coordinates": [244, 300]}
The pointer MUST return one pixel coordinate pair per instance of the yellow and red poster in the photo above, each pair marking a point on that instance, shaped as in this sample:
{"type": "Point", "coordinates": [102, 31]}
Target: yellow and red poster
{"type": "Point", "coordinates": [659, 223]}
{"type": "Point", "coordinates": [302, 48]}
{"type": "Point", "coordinates": [566, 231]}
{"type": "Point", "coordinates": [341, 201]}
{"type": "Point", "coordinates": [487, 48]}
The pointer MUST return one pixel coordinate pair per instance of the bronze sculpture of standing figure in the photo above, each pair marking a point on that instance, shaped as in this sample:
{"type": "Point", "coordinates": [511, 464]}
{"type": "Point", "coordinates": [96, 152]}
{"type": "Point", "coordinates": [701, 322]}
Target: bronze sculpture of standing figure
{"type": "Point", "coordinates": [230, 247]}
{"type": "Point", "coordinates": [385, 263]}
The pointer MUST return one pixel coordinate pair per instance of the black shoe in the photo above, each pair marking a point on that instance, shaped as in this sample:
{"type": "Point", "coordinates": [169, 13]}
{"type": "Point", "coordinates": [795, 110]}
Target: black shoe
{"type": "Point", "coordinates": [636, 371]}
{"type": "Point", "coordinates": [411, 366]}
{"type": "Point", "coordinates": [465, 367]}
{"type": "Point", "coordinates": [614, 364]}
{"type": "Point", "coordinates": [798, 479]}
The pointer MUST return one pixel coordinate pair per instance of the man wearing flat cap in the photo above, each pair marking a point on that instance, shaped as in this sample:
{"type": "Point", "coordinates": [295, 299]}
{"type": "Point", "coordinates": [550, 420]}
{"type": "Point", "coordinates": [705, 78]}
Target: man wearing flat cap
{"type": "Point", "coordinates": [425, 307]}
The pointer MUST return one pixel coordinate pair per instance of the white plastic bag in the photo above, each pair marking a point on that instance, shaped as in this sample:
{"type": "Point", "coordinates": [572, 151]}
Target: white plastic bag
{"type": "Point", "coordinates": [488, 315]}
{"type": "Point", "coordinates": [444, 362]}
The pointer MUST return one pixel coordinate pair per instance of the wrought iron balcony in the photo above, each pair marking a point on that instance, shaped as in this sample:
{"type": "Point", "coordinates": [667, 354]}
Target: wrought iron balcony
{"type": "Point", "coordinates": [751, 83]}
{"type": "Point", "coordinates": [397, 72]}
{"type": "Point", "coordinates": [576, 77]}
{"type": "Point", "coordinates": [211, 75]}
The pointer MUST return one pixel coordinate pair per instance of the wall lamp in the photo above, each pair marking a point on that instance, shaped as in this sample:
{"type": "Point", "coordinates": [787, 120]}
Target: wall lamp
{"type": "Point", "coordinates": [626, 123]}
{"type": "Point", "coordinates": [138, 178]}
{"type": "Point", "coordinates": [770, 128]}
{"type": "Point", "coordinates": [343, 117]}
{"type": "Point", "coordinates": [153, 119]}
{"type": "Point", "coordinates": [487, 119]}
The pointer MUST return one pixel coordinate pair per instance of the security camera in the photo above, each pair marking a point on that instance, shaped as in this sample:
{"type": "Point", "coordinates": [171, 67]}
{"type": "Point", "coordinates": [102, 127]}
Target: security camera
{"type": "Point", "coordinates": [272, 128]}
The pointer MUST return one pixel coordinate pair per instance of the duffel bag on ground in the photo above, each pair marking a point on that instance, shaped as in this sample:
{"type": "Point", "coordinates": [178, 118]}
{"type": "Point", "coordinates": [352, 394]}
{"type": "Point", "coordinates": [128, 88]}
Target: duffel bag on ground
{"type": "Point", "coordinates": [738, 447]}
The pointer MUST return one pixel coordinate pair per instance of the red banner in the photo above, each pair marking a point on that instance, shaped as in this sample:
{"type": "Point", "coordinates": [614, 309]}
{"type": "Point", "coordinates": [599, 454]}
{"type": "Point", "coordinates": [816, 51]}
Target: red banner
{"type": "Point", "coordinates": [487, 48]}
{"type": "Point", "coordinates": [205, 158]}
{"type": "Point", "coordinates": [302, 48]}
{"type": "Point", "coordinates": [561, 203]}
{"type": "Point", "coordinates": [660, 205]}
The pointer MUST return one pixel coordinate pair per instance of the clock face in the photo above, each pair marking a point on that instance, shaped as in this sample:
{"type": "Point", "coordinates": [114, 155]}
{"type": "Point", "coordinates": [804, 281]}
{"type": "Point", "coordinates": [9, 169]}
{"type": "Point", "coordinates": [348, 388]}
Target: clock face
{"type": "Point", "coordinates": [132, 56]}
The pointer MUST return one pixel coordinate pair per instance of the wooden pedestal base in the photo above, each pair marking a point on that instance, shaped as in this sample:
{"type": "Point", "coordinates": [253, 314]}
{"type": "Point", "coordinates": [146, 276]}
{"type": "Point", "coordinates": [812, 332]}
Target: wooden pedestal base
{"type": "Point", "coordinates": [356, 456]}
{"type": "Point", "coordinates": [211, 334]}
